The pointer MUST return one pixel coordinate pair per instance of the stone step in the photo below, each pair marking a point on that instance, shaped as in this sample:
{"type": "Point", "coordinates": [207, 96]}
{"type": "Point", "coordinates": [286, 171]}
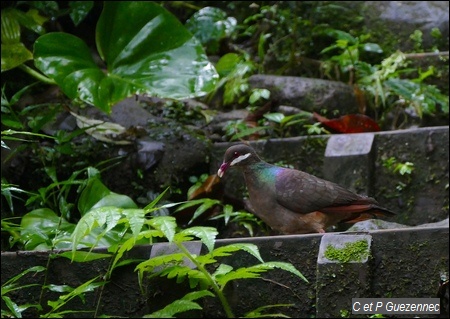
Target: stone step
{"type": "Point", "coordinates": [401, 263]}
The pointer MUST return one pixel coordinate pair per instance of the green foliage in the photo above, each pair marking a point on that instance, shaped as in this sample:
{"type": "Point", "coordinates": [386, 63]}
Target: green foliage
{"type": "Point", "coordinates": [275, 125]}
{"type": "Point", "coordinates": [183, 304]}
{"type": "Point", "coordinates": [285, 37]}
{"type": "Point", "coordinates": [261, 312]}
{"type": "Point", "coordinates": [281, 38]}
{"type": "Point", "coordinates": [386, 83]}
{"type": "Point", "coordinates": [13, 309]}
{"type": "Point", "coordinates": [8, 191]}
{"type": "Point", "coordinates": [79, 10]}
{"type": "Point", "coordinates": [155, 41]}
{"type": "Point", "coordinates": [211, 25]}
{"type": "Point", "coordinates": [18, 25]}
{"type": "Point", "coordinates": [402, 168]}
{"type": "Point", "coordinates": [242, 218]}
{"type": "Point", "coordinates": [344, 313]}
{"type": "Point", "coordinates": [387, 87]}
{"type": "Point", "coordinates": [405, 171]}
{"type": "Point", "coordinates": [276, 32]}
{"type": "Point", "coordinates": [234, 70]}
{"type": "Point", "coordinates": [292, 125]}
{"type": "Point", "coordinates": [352, 49]}
{"type": "Point", "coordinates": [113, 221]}
{"type": "Point", "coordinates": [50, 227]}
{"type": "Point", "coordinates": [172, 266]}
{"type": "Point", "coordinates": [239, 130]}
{"type": "Point", "coordinates": [14, 52]}
{"type": "Point", "coordinates": [70, 293]}
{"type": "Point", "coordinates": [229, 214]}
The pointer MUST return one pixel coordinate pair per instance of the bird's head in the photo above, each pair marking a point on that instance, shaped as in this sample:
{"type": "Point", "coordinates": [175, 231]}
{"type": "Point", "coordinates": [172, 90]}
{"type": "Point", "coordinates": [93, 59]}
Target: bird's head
{"type": "Point", "coordinates": [237, 155]}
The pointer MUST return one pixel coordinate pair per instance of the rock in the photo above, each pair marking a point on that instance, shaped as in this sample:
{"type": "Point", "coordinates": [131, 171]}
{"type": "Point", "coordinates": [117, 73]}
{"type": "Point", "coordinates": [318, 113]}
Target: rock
{"type": "Point", "coordinates": [308, 94]}
{"type": "Point", "coordinates": [373, 224]}
{"type": "Point", "coordinates": [402, 18]}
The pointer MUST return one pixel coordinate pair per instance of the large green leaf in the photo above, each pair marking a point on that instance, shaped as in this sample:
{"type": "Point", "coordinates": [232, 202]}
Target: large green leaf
{"type": "Point", "coordinates": [40, 226]}
{"type": "Point", "coordinates": [210, 25]}
{"type": "Point", "coordinates": [96, 195]}
{"type": "Point", "coordinates": [145, 48]}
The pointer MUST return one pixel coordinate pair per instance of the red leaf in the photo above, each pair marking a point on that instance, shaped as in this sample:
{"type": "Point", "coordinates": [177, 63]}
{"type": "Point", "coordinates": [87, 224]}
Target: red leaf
{"type": "Point", "coordinates": [352, 123]}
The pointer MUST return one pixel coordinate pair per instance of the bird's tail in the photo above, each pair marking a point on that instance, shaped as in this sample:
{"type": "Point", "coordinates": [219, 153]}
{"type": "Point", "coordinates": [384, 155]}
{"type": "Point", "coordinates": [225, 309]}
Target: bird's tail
{"type": "Point", "coordinates": [359, 211]}
{"type": "Point", "coordinates": [374, 212]}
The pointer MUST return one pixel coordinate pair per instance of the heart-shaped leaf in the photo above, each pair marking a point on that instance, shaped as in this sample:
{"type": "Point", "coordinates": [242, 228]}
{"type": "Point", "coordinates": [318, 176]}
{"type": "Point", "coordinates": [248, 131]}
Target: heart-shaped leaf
{"type": "Point", "coordinates": [146, 51]}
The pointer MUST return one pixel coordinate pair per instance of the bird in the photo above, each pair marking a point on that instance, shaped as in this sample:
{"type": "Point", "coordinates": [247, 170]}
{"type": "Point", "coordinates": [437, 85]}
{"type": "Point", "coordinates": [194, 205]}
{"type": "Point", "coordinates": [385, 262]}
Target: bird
{"type": "Point", "coordinates": [291, 201]}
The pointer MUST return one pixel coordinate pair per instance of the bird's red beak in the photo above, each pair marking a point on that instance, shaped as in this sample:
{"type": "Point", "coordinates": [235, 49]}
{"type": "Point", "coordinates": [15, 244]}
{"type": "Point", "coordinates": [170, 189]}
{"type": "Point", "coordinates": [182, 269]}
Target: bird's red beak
{"type": "Point", "coordinates": [223, 169]}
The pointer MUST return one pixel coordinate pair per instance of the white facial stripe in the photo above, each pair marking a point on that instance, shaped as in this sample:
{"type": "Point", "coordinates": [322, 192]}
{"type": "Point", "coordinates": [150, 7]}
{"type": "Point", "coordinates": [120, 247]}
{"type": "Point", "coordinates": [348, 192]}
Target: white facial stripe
{"type": "Point", "coordinates": [240, 159]}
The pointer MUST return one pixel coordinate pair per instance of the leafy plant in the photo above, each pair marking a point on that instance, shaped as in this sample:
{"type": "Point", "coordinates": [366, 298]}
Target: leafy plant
{"type": "Point", "coordinates": [14, 51]}
{"type": "Point", "coordinates": [172, 266]}
{"type": "Point", "coordinates": [45, 228]}
{"type": "Point", "coordinates": [394, 166]}
{"type": "Point", "coordinates": [352, 49]}
{"type": "Point", "coordinates": [292, 125]}
{"type": "Point", "coordinates": [239, 130]}
{"type": "Point", "coordinates": [13, 310]}
{"type": "Point", "coordinates": [403, 169]}
{"type": "Point", "coordinates": [69, 293]}
{"type": "Point", "coordinates": [210, 26]}
{"type": "Point", "coordinates": [143, 57]}
{"type": "Point", "coordinates": [17, 24]}
{"type": "Point", "coordinates": [181, 305]}
{"type": "Point", "coordinates": [275, 125]}
{"type": "Point", "coordinates": [234, 70]}
{"type": "Point", "coordinates": [228, 214]}
{"type": "Point", "coordinates": [242, 218]}
{"type": "Point", "coordinates": [114, 221]}
{"type": "Point", "coordinates": [108, 218]}
{"type": "Point", "coordinates": [385, 83]}
{"type": "Point", "coordinates": [275, 32]}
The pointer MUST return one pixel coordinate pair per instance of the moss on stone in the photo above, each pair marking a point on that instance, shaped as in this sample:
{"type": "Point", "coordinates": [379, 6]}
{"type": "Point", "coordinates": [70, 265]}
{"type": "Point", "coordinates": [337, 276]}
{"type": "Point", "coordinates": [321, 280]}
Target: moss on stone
{"type": "Point", "coordinates": [352, 251]}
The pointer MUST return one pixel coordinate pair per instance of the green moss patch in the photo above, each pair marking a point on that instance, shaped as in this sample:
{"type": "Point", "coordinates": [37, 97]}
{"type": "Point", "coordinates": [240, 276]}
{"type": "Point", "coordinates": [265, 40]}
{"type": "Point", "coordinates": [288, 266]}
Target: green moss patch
{"type": "Point", "coordinates": [352, 251]}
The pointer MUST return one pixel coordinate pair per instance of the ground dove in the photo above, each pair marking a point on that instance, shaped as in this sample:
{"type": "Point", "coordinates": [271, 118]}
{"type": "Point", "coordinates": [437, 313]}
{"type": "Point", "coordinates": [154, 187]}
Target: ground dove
{"type": "Point", "coordinates": [294, 202]}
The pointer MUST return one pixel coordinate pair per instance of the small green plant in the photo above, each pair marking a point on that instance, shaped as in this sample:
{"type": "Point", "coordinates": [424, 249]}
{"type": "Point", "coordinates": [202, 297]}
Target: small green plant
{"type": "Point", "coordinates": [239, 130]}
{"type": "Point", "coordinates": [275, 125]}
{"type": "Point", "coordinates": [394, 166]}
{"type": "Point", "coordinates": [229, 214]}
{"type": "Point", "coordinates": [405, 171]}
{"type": "Point", "coordinates": [349, 60]}
{"type": "Point", "coordinates": [293, 125]}
{"type": "Point", "coordinates": [200, 277]}
{"type": "Point", "coordinates": [344, 313]}
{"type": "Point", "coordinates": [234, 70]}
{"type": "Point", "coordinates": [242, 218]}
